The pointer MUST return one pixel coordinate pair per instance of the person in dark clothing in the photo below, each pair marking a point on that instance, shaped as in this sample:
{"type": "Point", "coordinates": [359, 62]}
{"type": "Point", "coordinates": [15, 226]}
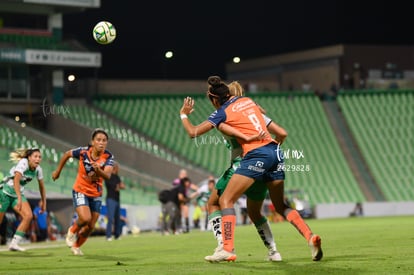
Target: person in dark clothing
{"type": "Point", "coordinates": [171, 207]}
{"type": "Point", "coordinates": [113, 204]}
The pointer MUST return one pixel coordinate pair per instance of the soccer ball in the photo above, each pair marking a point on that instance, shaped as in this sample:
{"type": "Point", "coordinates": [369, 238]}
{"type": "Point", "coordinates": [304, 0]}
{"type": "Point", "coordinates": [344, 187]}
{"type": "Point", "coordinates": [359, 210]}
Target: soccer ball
{"type": "Point", "coordinates": [104, 32]}
{"type": "Point", "coordinates": [135, 230]}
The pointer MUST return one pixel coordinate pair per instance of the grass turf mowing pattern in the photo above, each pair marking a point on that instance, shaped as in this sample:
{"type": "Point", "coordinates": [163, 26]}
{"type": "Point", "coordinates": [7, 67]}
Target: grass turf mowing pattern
{"type": "Point", "coordinates": [351, 246]}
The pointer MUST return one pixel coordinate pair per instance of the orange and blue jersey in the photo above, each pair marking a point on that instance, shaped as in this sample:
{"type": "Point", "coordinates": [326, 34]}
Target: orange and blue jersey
{"type": "Point", "coordinates": [87, 182]}
{"type": "Point", "coordinates": [244, 115]}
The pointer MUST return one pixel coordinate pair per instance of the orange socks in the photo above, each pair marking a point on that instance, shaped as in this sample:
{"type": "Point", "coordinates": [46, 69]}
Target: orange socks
{"type": "Point", "coordinates": [80, 241]}
{"type": "Point", "coordinates": [294, 218]}
{"type": "Point", "coordinates": [76, 227]}
{"type": "Point", "coordinates": [228, 224]}
{"type": "Point", "coordinates": [82, 237]}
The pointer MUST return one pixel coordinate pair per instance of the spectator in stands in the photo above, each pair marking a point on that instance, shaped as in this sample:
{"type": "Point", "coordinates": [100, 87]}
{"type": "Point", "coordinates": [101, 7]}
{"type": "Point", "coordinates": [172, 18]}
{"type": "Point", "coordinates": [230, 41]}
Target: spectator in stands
{"type": "Point", "coordinates": [26, 169]}
{"type": "Point", "coordinates": [95, 165]}
{"type": "Point", "coordinates": [113, 204]}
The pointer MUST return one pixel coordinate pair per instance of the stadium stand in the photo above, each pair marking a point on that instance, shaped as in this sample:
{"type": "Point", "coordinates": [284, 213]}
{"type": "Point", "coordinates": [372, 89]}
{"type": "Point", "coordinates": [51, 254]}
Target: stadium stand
{"type": "Point", "coordinates": [32, 39]}
{"type": "Point", "coordinates": [329, 178]}
{"type": "Point", "coordinates": [382, 124]}
{"type": "Point", "coordinates": [321, 171]}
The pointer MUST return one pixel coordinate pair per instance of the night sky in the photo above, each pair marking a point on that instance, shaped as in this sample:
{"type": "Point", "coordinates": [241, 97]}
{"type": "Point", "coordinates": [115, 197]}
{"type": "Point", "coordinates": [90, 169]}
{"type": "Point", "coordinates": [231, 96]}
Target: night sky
{"type": "Point", "coordinates": [204, 35]}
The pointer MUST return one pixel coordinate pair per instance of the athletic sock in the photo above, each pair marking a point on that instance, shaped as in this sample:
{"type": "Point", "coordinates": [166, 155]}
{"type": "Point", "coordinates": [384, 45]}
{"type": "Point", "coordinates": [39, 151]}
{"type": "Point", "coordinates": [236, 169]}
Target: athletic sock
{"type": "Point", "coordinates": [265, 233]}
{"type": "Point", "coordinates": [187, 225]}
{"type": "Point", "coordinates": [203, 221]}
{"type": "Point", "coordinates": [227, 227]}
{"type": "Point", "coordinates": [75, 227]}
{"type": "Point", "coordinates": [296, 220]}
{"type": "Point", "coordinates": [215, 224]}
{"type": "Point", "coordinates": [17, 237]}
{"type": "Point", "coordinates": [81, 239]}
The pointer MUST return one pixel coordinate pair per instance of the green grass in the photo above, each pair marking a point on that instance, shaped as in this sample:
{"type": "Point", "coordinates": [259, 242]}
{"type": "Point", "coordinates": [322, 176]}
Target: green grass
{"type": "Point", "coordinates": [351, 246]}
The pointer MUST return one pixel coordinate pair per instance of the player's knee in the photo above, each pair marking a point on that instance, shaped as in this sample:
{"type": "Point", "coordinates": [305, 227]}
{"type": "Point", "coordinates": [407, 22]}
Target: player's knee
{"type": "Point", "coordinates": [27, 216]}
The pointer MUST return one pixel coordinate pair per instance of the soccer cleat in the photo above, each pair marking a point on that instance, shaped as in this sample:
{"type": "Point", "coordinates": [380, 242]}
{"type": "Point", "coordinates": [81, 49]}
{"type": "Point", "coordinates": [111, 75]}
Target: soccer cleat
{"type": "Point", "coordinates": [70, 238]}
{"type": "Point", "coordinates": [109, 239]}
{"type": "Point", "coordinates": [218, 248]}
{"type": "Point", "coordinates": [315, 246]}
{"type": "Point", "coordinates": [76, 251]}
{"type": "Point", "coordinates": [274, 256]}
{"type": "Point", "coordinates": [16, 247]}
{"type": "Point", "coordinates": [220, 256]}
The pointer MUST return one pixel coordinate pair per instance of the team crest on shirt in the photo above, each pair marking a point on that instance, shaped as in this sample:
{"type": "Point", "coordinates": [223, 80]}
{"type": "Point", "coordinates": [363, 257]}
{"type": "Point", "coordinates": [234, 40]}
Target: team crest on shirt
{"type": "Point", "coordinates": [258, 167]}
{"type": "Point", "coordinates": [259, 163]}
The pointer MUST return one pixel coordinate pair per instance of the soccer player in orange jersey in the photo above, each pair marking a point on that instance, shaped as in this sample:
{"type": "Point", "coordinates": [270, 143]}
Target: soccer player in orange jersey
{"type": "Point", "coordinates": [95, 164]}
{"type": "Point", "coordinates": [262, 159]}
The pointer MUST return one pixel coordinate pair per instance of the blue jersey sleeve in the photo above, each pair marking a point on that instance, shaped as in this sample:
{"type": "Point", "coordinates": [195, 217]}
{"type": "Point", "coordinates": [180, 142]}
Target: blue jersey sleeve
{"type": "Point", "coordinates": [110, 159]}
{"type": "Point", "coordinates": [76, 152]}
{"type": "Point", "coordinates": [217, 117]}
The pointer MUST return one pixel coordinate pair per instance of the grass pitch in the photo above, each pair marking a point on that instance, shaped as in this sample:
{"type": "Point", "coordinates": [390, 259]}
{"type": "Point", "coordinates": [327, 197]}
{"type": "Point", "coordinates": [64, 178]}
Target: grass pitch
{"type": "Point", "coordinates": [382, 245]}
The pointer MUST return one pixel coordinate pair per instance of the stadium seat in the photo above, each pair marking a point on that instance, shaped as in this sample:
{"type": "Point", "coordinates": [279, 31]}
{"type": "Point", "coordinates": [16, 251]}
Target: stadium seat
{"type": "Point", "coordinates": [382, 126]}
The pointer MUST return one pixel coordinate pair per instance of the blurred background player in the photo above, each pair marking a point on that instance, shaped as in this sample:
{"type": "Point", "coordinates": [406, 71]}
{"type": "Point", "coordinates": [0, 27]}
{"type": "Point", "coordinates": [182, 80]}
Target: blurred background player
{"type": "Point", "coordinates": [184, 208]}
{"type": "Point", "coordinates": [171, 200]}
{"type": "Point", "coordinates": [113, 204]}
{"type": "Point", "coordinates": [95, 164]}
{"type": "Point", "coordinates": [202, 194]}
{"type": "Point", "coordinates": [26, 169]}
{"type": "Point", "coordinates": [242, 202]}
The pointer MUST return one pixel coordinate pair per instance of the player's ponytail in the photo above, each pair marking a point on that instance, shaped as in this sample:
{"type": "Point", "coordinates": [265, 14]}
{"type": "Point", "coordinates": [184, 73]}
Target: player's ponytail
{"type": "Point", "coordinates": [236, 88]}
{"type": "Point", "coordinates": [21, 153]}
{"type": "Point", "coordinates": [218, 90]}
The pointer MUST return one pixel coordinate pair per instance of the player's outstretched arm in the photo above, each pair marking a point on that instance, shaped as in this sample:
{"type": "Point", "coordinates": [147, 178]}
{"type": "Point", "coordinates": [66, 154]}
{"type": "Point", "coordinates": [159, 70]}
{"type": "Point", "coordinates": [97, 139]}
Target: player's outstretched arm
{"type": "Point", "coordinates": [62, 162]}
{"type": "Point", "coordinates": [192, 130]}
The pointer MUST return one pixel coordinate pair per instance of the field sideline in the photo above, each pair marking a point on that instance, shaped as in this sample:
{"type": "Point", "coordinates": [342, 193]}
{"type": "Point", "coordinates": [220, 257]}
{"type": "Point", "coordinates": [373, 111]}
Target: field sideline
{"type": "Point", "coordinates": [383, 245]}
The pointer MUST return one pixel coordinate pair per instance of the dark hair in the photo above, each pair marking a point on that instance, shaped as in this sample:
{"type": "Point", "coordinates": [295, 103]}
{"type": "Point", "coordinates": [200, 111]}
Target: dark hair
{"type": "Point", "coordinates": [99, 131]}
{"type": "Point", "coordinates": [184, 180]}
{"type": "Point", "coordinates": [30, 151]}
{"type": "Point", "coordinates": [218, 89]}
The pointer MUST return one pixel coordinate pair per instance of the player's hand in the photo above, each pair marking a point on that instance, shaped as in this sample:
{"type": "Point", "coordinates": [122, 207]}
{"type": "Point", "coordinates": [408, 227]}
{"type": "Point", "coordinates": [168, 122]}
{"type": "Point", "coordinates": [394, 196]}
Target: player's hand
{"type": "Point", "coordinates": [55, 175]}
{"type": "Point", "coordinates": [19, 204]}
{"type": "Point", "coordinates": [188, 106]}
{"type": "Point", "coordinates": [42, 207]}
{"type": "Point", "coordinates": [261, 135]}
